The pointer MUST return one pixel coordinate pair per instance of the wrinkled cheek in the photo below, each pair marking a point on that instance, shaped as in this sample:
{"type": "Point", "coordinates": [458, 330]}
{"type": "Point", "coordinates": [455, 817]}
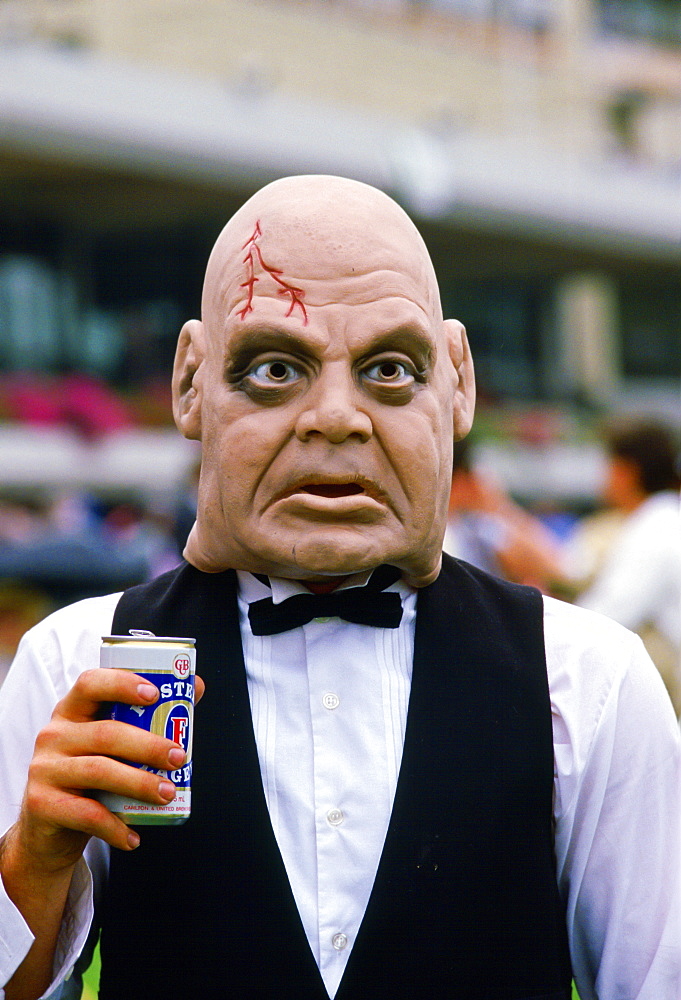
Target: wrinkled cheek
{"type": "Point", "coordinates": [211, 505]}
{"type": "Point", "coordinates": [429, 465]}
{"type": "Point", "coordinates": [223, 485]}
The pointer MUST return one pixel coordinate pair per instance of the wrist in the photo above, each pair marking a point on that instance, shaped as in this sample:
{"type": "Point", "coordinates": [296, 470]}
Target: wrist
{"type": "Point", "coordinates": [23, 866]}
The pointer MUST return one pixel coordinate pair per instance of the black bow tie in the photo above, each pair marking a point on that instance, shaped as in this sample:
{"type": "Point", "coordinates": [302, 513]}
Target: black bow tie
{"type": "Point", "coordinates": [368, 605]}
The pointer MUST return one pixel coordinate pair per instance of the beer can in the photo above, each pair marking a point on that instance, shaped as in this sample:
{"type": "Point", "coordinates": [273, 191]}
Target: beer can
{"type": "Point", "coordinates": [169, 664]}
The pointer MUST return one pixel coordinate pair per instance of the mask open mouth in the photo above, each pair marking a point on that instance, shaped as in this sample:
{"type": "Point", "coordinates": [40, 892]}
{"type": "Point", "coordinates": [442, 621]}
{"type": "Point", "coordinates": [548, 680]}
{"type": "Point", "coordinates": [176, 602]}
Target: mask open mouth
{"type": "Point", "coordinates": [332, 490]}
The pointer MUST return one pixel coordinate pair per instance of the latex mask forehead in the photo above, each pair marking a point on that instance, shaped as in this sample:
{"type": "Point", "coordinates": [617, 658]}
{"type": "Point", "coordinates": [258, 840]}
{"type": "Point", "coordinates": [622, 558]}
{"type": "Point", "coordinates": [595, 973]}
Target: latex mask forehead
{"type": "Point", "coordinates": [320, 231]}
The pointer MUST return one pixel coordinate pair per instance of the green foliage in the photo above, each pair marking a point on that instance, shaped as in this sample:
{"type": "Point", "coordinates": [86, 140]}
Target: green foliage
{"type": "Point", "coordinates": [91, 978]}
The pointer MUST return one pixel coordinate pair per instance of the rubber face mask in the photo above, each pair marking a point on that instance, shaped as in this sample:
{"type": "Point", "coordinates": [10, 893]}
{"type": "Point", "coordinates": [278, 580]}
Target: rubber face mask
{"type": "Point", "coordinates": [325, 387]}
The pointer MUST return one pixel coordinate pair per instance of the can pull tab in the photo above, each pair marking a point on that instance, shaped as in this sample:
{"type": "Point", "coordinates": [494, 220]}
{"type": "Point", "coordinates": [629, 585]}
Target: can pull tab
{"type": "Point", "coordinates": [139, 632]}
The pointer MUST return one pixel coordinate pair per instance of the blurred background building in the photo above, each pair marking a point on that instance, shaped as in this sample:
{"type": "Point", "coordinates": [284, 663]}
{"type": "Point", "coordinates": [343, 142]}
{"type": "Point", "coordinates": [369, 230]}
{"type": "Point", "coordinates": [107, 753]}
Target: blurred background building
{"type": "Point", "coordinates": [536, 143]}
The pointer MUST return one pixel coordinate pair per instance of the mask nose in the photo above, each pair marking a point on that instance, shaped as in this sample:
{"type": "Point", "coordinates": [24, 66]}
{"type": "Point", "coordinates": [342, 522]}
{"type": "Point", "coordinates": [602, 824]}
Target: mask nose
{"type": "Point", "coordinates": [333, 413]}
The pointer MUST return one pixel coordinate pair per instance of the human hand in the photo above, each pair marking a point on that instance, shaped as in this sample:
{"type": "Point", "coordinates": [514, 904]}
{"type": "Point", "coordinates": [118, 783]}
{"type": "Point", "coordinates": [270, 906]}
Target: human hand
{"type": "Point", "coordinates": [77, 753]}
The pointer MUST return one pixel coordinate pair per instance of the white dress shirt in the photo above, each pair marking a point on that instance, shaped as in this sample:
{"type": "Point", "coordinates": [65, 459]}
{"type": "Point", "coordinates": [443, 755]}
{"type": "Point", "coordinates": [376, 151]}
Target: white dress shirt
{"type": "Point", "coordinates": [640, 581]}
{"type": "Point", "coordinates": [329, 703]}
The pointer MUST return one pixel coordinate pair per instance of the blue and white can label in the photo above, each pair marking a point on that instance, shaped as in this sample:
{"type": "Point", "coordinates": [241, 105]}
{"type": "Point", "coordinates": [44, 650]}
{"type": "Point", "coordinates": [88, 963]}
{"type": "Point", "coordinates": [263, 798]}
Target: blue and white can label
{"type": "Point", "coordinates": [169, 664]}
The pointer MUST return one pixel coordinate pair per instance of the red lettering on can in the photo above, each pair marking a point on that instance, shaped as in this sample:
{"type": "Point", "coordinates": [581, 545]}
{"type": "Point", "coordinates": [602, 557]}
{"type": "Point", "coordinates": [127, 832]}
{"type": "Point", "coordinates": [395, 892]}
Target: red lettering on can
{"type": "Point", "coordinates": [181, 666]}
{"type": "Point", "coordinates": [180, 727]}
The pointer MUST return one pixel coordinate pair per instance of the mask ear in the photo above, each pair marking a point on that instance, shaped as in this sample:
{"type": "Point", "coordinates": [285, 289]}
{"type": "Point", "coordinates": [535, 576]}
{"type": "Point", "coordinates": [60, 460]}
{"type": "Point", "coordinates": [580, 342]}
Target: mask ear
{"type": "Point", "coordinates": [187, 381]}
{"type": "Point", "coordinates": [464, 399]}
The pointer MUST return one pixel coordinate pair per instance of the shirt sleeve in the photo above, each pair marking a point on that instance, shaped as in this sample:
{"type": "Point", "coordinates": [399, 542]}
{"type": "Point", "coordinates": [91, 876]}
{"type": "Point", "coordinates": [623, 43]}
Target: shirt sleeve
{"type": "Point", "coordinates": [48, 661]}
{"type": "Point", "coordinates": [16, 938]}
{"type": "Point", "coordinates": [617, 809]}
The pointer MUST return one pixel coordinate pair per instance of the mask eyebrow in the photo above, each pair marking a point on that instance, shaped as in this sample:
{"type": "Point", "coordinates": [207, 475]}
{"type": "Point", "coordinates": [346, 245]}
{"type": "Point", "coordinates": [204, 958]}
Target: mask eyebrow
{"type": "Point", "coordinates": [245, 345]}
{"type": "Point", "coordinates": [409, 339]}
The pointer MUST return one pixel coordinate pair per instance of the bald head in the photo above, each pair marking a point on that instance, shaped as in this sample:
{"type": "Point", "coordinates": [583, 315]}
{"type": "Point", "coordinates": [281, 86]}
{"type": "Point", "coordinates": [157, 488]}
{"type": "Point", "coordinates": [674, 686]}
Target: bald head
{"type": "Point", "coordinates": [320, 229]}
{"type": "Point", "coordinates": [325, 387]}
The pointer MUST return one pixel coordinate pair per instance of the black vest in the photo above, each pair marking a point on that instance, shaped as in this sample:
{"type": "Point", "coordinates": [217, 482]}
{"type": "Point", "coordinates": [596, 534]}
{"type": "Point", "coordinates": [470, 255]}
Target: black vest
{"type": "Point", "coordinates": [465, 904]}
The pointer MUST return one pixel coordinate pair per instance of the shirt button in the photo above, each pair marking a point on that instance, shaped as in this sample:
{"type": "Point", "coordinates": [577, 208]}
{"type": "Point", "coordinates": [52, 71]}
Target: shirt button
{"type": "Point", "coordinates": [335, 817]}
{"type": "Point", "coordinates": [330, 700]}
{"type": "Point", "coordinates": [322, 621]}
{"type": "Point", "coordinates": [339, 941]}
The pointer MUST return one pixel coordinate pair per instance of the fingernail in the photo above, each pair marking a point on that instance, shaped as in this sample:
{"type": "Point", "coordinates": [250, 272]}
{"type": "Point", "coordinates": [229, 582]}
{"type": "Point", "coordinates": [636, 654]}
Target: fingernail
{"type": "Point", "coordinates": [147, 692]}
{"type": "Point", "coordinates": [133, 840]}
{"type": "Point", "coordinates": [166, 790]}
{"type": "Point", "coordinates": [176, 757]}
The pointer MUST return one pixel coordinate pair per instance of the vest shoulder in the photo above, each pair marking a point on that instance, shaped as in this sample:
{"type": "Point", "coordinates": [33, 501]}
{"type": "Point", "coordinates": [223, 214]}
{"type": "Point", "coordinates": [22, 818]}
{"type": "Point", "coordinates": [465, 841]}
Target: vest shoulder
{"type": "Point", "coordinates": [177, 582]}
{"type": "Point", "coordinates": [457, 573]}
{"type": "Point", "coordinates": [161, 584]}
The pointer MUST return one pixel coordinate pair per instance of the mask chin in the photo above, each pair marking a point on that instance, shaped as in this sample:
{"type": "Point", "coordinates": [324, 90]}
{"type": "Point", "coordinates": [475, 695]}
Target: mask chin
{"type": "Point", "coordinates": [205, 552]}
{"type": "Point", "coordinates": [203, 556]}
{"type": "Point", "coordinates": [422, 572]}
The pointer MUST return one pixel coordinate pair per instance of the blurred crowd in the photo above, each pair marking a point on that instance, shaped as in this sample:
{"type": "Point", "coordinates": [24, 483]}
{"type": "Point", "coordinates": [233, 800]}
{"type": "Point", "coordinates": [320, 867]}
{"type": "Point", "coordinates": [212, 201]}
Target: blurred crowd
{"type": "Point", "coordinates": [58, 549]}
{"type": "Point", "coordinates": [622, 559]}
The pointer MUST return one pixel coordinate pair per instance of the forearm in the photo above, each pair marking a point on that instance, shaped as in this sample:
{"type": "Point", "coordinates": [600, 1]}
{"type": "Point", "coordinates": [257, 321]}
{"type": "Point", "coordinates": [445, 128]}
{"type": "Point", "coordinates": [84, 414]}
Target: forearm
{"type": "Point", "coordinates": [40, 897]}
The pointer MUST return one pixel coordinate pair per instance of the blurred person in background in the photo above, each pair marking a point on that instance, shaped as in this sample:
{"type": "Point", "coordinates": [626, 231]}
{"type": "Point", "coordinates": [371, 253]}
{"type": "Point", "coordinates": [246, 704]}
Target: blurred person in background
{"type": "Point", "coordinates": [639, 580]}
{"type": "Point", "coordinates": [488, 529]}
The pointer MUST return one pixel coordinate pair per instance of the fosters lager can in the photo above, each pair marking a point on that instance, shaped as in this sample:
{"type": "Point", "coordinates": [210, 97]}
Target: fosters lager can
{"type": "Point", "coordinates": [169, 664]}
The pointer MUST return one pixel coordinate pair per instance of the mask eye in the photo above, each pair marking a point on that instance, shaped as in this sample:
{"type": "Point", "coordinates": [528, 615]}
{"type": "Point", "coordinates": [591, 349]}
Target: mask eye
{"type": "Point", "coordinates": [389, 372]}
{"type": "Point", "coordinates": [275, 372]}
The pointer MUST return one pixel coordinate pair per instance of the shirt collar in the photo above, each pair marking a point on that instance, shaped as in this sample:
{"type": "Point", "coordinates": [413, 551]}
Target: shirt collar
{"type": "Point", "coordinates": [253, 589]}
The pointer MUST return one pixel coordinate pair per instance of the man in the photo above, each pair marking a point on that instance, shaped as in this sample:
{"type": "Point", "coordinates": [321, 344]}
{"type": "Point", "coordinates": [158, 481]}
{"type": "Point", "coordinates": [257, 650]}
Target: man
{"type": "Point", "coordinates": [488, 529]}
{"type": "Point", "coordinates": [375, 810]}
{"type": "Point", "coordinates": [639, 582]}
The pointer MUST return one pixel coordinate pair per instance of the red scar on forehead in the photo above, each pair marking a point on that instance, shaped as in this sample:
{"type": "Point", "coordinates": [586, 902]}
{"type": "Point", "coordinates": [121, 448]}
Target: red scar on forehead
{"type": "Point", "coordinates": [253, 256]}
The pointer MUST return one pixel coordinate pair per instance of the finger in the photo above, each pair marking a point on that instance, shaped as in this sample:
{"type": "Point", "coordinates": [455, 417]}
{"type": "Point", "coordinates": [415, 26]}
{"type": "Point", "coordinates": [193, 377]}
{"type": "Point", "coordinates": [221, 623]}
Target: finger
{"type": "Point", "coordinates": [102, 774]}
{"type": "Point", "coordinates": [103, 684]}
{"type": "Point", "coordinates": [106, 738]}
{"type": "Point", "coordinates": [199, 689]}
{"type": "Point", "coordinates": [61, 818]}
